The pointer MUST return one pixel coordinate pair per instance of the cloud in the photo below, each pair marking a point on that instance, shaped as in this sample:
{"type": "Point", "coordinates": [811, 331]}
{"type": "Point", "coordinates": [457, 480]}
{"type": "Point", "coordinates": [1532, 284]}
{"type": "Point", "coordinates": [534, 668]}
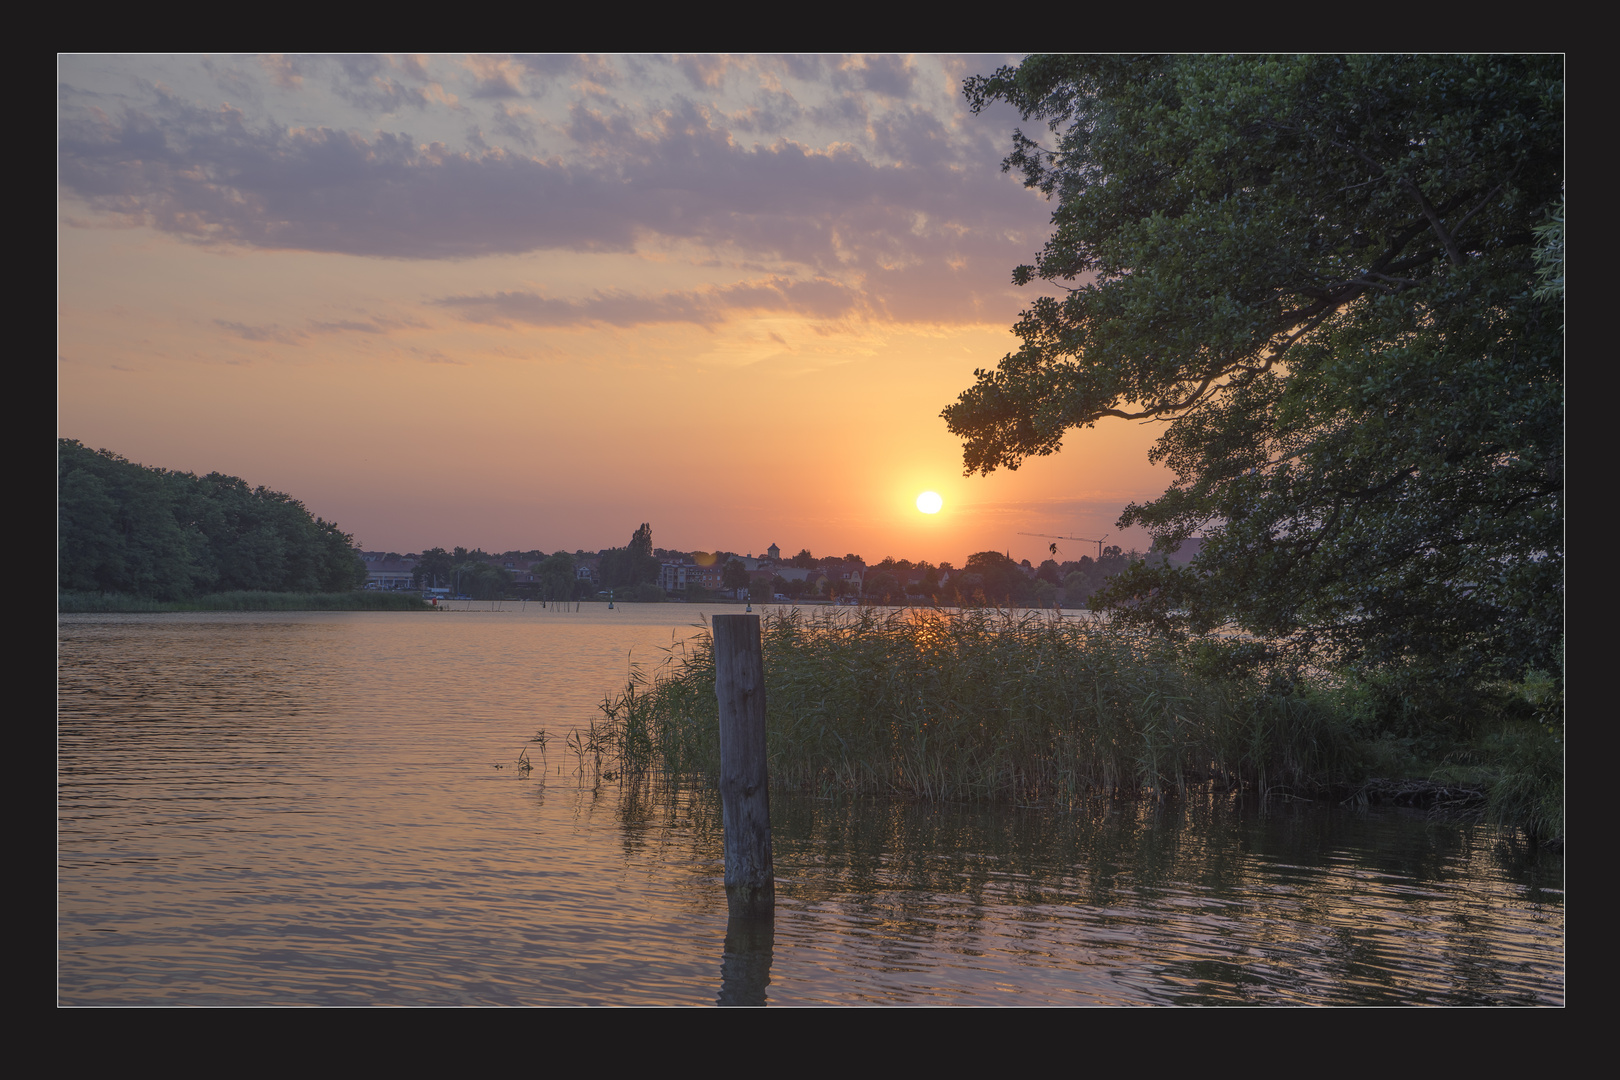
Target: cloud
{"type": "Point", "coordinates": [295, 336]}
{"type": "Point", "coordinates": [211, 178]}
{"type": "Point", "coordinates": [705, 70]}
{"type": "Point", "coordinates": [384, 85]}
{"type": "Point", "coordinates": [232, 79]}
{"type": "Point", "coordinates": [703, 307]}
{"type": "Point", "coordinates": [495, 77]}
{"type": "Point", "coordinates": [923, 196]}
{"type": "Point", "coordinates": [515, 122]}
{"type": "Point", "coordinates": [248, 332]}
{"type": "Point", "coordinates": [208, 175]}
{"type": "Point", "coordinates": [772, 111]}
{"type": "Point", "coordinates": [435, 356]}
{"type": "Point", "coordinates": [915, 136]}
{"type": "Point", "coordinates": [348, 325]}
{"type": "Point", "coordinates": [285, 71]}
{"type": "Point", "coordinates": [889, 75]}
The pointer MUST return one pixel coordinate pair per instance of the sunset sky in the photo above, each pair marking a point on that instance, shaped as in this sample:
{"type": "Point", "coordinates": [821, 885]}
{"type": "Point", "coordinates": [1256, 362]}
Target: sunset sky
{"type": "Point", "coordinates": [532, 302]}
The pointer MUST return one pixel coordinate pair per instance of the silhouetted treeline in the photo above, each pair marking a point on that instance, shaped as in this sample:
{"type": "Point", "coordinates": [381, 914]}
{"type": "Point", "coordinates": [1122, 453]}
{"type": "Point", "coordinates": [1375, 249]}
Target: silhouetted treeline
{"type": "Point", "coordinates": [633, 565]}
{"type": "Point", "coordinates": [125, 528]}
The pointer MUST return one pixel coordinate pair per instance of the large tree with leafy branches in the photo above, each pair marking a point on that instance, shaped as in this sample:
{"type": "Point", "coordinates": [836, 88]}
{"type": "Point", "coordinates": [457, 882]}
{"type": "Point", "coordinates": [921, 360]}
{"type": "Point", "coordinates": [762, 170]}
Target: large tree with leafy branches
{"type": "Point", "coordinates": [434, 568]}
{"type": "Point", "coordinates": [127, 528]}
{"type": "Point", "coordinates": [632, 565]}
{"type": "Point", "coordinates": [1337, 283]}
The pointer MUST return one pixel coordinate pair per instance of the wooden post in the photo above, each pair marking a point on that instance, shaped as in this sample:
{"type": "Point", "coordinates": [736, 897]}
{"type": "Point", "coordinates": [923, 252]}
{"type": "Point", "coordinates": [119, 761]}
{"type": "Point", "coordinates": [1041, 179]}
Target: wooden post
{"type": "Point", "coordinates": [739, 683]}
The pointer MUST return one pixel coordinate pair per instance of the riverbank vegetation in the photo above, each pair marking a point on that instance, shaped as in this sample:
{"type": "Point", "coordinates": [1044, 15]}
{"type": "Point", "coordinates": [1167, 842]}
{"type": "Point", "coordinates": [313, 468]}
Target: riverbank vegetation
{"type": "Point", "coordinates": [1034, 709]}
{"type": "Point", "coordinates": [158, 535]}
{"type": "Point", "coordinates": [1338, 284]}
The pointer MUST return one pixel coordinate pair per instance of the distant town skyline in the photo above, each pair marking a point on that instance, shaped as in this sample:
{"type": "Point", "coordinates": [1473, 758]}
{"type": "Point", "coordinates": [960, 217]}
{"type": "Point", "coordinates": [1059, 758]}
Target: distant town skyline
{"type": "Point", "coordinates": [526, 303]}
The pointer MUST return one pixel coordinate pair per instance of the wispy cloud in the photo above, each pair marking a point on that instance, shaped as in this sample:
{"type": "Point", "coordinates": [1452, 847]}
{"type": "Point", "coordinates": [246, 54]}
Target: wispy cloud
{"type": "Point", "coordinates": [270, 333]}
{"type": "Point", "coordinates": [705, 307]}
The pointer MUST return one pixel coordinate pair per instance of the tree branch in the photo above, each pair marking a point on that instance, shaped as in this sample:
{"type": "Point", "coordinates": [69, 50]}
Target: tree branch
{"type": "Point", "coordinates": [1434, 220]}
{"type": "Point", "coordinates": [1482, 203]}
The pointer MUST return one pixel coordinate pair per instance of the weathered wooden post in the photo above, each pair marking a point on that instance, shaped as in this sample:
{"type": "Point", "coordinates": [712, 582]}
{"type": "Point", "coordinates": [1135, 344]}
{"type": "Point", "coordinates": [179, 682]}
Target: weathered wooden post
{"type": "Point", "coordinates": [739, 670]}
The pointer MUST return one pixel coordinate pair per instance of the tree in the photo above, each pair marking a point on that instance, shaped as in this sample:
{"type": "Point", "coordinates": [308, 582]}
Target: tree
{"type": "Point", "coordinates": [482, 580]}
{"type": "Point", "coordinates": [632, 565]}
{"type": "Point", "coordinates": [123, 527]}
{"type": "Point", "coordinates": [997, 577]}
{"type": "Point", "coordinates": [735, 576]}
{"type": "Point", "coordinates": [433, 568]}
{"type": "Point", "coordinates": [1320, 274]}
{"type": "Point", "coordinates": [641, 545]}
{"type": "Point", "coordinates": [556, 576]}
{"type": "Point", "coordinates": [883, 586]}
{"type": "Point", "coordinates": [929, 585]}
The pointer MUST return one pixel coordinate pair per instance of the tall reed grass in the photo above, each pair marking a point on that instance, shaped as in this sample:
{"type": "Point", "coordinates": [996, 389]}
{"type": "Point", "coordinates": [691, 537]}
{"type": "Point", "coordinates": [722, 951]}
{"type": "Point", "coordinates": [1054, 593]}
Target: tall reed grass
{"type": "Point", "coordinates": [979, 705]}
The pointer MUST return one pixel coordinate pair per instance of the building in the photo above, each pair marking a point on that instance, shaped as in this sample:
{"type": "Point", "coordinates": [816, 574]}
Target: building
{"type": "Point", "coordinates": [388, 570]}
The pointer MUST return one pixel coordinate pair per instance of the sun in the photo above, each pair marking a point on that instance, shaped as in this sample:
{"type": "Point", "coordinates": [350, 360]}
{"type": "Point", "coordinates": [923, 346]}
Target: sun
{"type": "Point", "coordinates": [929, 502]}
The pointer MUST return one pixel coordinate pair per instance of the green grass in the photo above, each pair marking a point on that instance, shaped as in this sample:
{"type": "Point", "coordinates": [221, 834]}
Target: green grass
{"type": "Point", "coordinates": [81, 602]}
{"type": "Point", "coordinates": [982, 705]}
{"type": "Point", "coordinates": [1518, 769]}
{"type": "Point", "coordinates": [941, 705]}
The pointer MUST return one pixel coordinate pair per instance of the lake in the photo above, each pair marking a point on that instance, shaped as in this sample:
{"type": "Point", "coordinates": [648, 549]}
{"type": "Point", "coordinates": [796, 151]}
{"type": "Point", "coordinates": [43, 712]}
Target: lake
{"type": "Point", "coordinates": [324, 808]}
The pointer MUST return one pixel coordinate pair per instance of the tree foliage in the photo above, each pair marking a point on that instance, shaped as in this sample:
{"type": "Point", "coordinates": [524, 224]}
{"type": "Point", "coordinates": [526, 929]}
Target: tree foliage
{"type": "Point", "coordinates": [632, 565]}
{"type": "Point", "coordinates": [483, 581]}
{"type": "Point", "coordinates": [1083, 578]}
{"type": "Point", "coordinates": [125, 528]}
{"type": "Point", "coordinates": [557, 577]}
{"type": "Point", "coordinates": [882, 586]}
{"type": "Point", "coordinates": [992, 578]}
{"type": "Point", "coordinates": [433, 569]}
{"type": "Point", "coordinates": [735, 575]}
{"type": "Point", "coordinates": [1321, 274]}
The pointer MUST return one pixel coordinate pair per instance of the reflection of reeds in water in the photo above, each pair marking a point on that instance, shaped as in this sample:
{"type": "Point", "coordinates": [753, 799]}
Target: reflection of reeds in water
{"type": "Point", "coordinates": [974, 704]}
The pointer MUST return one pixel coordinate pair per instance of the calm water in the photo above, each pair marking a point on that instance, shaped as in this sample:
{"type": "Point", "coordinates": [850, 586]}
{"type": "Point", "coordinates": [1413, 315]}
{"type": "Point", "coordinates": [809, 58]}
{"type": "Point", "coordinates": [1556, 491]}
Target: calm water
{"type": "Point", "coordinates": [306, 808]}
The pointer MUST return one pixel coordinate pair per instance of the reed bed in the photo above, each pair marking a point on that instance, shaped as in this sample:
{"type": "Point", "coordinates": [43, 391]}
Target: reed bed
{"type": "Point", "coordinates": [980, 704]}
{"type": "Point", "coordinates": [87, 602]}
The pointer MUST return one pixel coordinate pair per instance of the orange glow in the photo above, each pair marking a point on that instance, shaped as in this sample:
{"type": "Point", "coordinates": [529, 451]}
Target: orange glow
{"type": "Point", "coordinates": [557, 392]}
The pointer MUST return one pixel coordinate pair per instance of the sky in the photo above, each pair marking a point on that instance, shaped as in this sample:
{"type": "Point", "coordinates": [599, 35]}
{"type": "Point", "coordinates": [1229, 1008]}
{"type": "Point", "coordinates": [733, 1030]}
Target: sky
{"type": "Point", "coordinates": [530, 302]}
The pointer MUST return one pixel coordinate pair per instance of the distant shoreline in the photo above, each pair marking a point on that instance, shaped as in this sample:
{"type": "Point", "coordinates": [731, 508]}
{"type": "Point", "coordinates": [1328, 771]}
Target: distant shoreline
{"type": "Point", "coordinates": [69, 603]}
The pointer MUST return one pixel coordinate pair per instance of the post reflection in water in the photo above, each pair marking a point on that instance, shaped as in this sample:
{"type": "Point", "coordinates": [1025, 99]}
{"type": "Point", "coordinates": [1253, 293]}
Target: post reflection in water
{"type": "Point", "coordinates": [745, 966]}
{"type": "Point", "coordinates": [285, 809]}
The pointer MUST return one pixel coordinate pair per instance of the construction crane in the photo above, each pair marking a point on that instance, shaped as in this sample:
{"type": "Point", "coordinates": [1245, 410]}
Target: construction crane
{"type": "Point", "coordinates": [1081, 539]}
